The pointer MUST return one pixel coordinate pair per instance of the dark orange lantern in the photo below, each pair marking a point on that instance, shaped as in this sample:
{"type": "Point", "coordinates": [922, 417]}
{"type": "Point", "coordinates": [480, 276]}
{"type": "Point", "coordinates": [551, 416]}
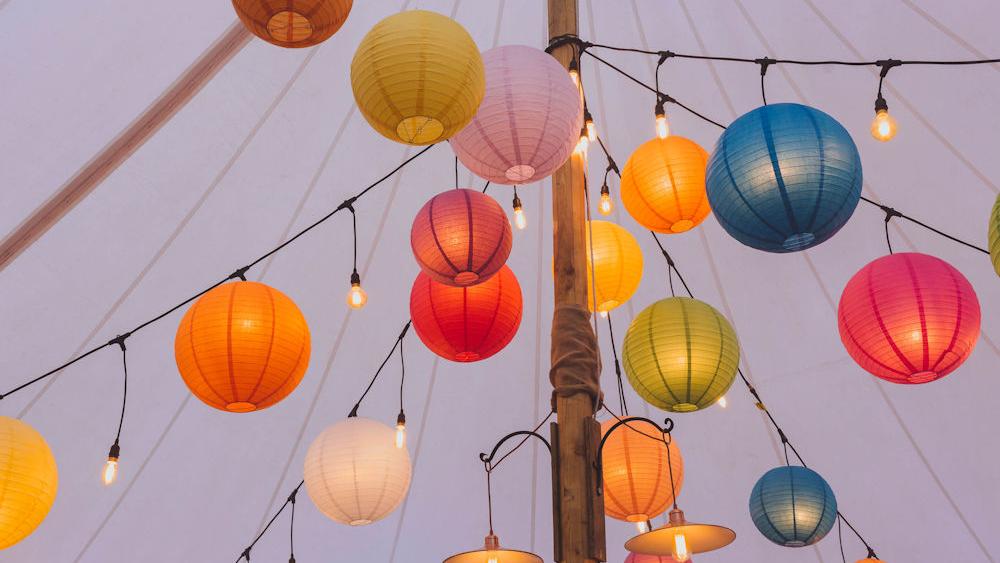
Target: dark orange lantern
{"type": "Point", "coordinates": [293, 23]}
{"type": "Point", "coordinates": [461, 237]}
{"type": "Point", "coordinates": [466, 324]}
{"type": "Point", "coordinates": [909, 318]}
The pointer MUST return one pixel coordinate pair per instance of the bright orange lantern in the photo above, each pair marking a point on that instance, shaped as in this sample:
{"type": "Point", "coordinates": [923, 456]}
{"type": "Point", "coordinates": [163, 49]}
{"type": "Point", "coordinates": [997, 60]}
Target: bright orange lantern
{"type": "Point", "coordinates": [242, 347]}
{"type": "Point", "coordinates": [636, 483]}
{"type": "Point", "coordinates": [663, 185]}
{"type": "Point", "coordinates": [293, 23]}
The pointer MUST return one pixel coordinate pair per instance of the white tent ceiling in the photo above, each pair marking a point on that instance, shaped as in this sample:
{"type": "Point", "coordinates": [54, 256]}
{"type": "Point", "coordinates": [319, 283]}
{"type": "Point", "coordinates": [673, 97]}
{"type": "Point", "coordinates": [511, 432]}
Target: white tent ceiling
{"type": "Point", "coordinates": [274, 141]}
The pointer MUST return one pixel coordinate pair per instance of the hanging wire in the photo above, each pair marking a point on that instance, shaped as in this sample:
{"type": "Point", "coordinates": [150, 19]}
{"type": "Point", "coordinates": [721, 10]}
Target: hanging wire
{"type": "Point", "coordinates": [764, 63]}
{"type": "Point", "coordinates": [890, 212]}
{"type": "Point", "coordinates": [622, 405]}
{"type": "Point", "coordinates": [398, 343]}
{"type": "Point", "coordinates": [489, 493]}
{"type": "Point", "coordinates": [456, 172]}
{"type": "Point", "coordinates": [290, 500]}
{"type": "Point", "coordinates": [291, 528]}
{"type": "Point", "coordinates": [486, 186]}
{"type": "Point", "coordinates": [354, 232]}
{"type": "Point", "coordinates": [840, 540]}
{"type": "Point", "coordinates": [494, 465]}
{"type": "Point", "coordinates": [121, 419]}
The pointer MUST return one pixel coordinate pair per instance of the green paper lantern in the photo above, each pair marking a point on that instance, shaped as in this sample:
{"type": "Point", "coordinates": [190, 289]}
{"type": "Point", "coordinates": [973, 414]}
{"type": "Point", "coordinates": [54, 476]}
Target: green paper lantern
{"type": "Point", "coordinates": [994, 235]}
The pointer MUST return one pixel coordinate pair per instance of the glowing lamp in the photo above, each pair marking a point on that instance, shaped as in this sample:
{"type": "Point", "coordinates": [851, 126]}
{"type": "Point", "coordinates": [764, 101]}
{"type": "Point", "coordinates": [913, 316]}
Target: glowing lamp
{"type": "Point", "coordinates": [680, 354]}
{"type": "Point", "coordinates": [679, 538]}
{"type": "Point", "coordinates": [616, 259]}
{"type": "Point", "coordinates": [355, 474]}
{"type": "Point", "coordinates": [793, 506]}
{"type": "Point", "coordinates": [634, 461]}
{"type": "Point", "coordinates": [784, 177]}
{"type": "Point", "coordinates": [529, 120]}
{"type": "Point", "coordinates": [293, 23]}
{"type": "Point", "coordinates": [466, 324]}
{"type": "Point", "coordinates": [242, 347]}
{"type": "Point", "coordinates": [492, 552]}
{"type": "Point", "coordinates": [663, 185]}
{"type": "Point", "coordinates": [29, 480]}
{"type": "Point", "coordinates": [909, 318]}
{"type": "Point", "coordinates": [461, 237]}
{"type": "Point", "coordinates": [418, 77]}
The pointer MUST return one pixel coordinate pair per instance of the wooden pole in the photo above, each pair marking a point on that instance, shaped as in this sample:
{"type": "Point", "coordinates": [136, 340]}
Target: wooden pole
{"type": "Point", "coordinates": [579, 531]}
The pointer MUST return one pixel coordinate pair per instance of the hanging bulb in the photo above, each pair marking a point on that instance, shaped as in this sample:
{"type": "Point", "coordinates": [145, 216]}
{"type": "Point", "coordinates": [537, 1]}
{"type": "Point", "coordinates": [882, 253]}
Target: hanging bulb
{"type": "Point", "coordinates": [583, 143]}
{"type": "Point", "coordinates": [401, 430]}
{"type": "Point", "coordinates": [520, 221]}
{"type": "Point", "coordinates": [681, 553]}
{"type": "Point", "coordinates": [723, 402]}
{"type": "Point", "coordinates": [604, 314]}
{"type": "Point", "coordinates": [883, 125]}
{"type": "Point", "coordinates": [642, 526]}
{"type": "Point", "coordinates": [588, 123]}
{"type": "Point", "coordinates": [356, 297]}
{"type": "Point", "coordinates": [574, 72]}
{"type": "Point", "coordinates": [606, 205]}
{"type": "Point", "coordinates": [111, 466]}
{"type": "Point", "coordinates": [662, 127]}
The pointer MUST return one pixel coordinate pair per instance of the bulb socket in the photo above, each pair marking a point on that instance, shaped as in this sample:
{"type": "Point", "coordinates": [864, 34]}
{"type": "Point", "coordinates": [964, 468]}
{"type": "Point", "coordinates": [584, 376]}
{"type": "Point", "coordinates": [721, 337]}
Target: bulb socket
{"type": "Point", "coordinates": [880, 104]}
{"type": "Point", "coordinates": [677, 517]}
{"type": "Point", "coordinates": [605, 190]}
{"type": "Point", "coordinates": [115, 452]}
{"type": "Point", "coordinates": [492, 543]}
{"type": "Point", "coordinates": [355, 278]}
{"type": "Point", "coordinates": [401, 419]}
{"type": "Point", "coordinates": [517, 203]}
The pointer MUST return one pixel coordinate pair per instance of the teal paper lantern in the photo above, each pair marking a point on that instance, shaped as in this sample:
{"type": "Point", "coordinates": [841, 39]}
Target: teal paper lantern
{"type": "Point", "coordinates": [784, 177]}
{"type": "Point", "coordinates": [793, 506]}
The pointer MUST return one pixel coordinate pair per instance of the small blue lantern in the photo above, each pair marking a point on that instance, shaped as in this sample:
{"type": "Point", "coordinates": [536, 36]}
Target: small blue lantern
{"type": "Point", "coordinates": [793, 506]}
{"type": "Point", "coordinates": [784, 177]}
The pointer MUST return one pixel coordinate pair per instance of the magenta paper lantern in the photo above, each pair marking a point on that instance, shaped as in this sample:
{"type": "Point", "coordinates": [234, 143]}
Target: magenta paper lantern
{"type": "Point", "coordinates": [529, 121]}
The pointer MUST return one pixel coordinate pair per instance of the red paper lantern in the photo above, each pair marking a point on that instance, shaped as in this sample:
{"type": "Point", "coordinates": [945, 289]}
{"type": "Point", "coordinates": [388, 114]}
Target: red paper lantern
{"type": "Point", "coordinates": [461, 237]}
{"type": "Point", "coordinates": [466, 324]}
{"type": "Point", "coordinates": [909, 318]}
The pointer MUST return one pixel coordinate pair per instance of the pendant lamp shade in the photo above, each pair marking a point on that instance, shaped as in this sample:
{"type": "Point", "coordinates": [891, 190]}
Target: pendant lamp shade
{"type": "Point", "coordinates": [492, 552]}
{"type": "Point", "coordinates": [616, 259]}
{"type": "Point", "coordinates": [994, 235]}
{"type": "Point", "coordinates": [355, 474]}
{"type": "Point", "coordinates": [663, 185]}
{"type": "Point", "coordinates": [293, 23]}
{"type": "Point", "coordinates": [418, 77]}
{"type": "Point", "coordinates": [529, 121]}
{"type": "Point", "coordinates": [636, 478]}
{"type": "Point", "coordinates": [642, 558]}
{"type": "Point", "coordinates": [466, 324]}
{"type": "Point", "coordinates": [29, 480]}
{"type": "Point", "coordinates": [909, 318]}
{"type": "Point", "coordinates": [679, 538]}
{"type": "Point", "coordinates": [461, 237]}
{"type": "Point", "coordinates": [680, 354]}
{"type": "Point", "coordinates": [784, 177]}
{"type": "Point", "coordinates": [793, 506]}
{"type": "Point", "coordinates": [243, 346]}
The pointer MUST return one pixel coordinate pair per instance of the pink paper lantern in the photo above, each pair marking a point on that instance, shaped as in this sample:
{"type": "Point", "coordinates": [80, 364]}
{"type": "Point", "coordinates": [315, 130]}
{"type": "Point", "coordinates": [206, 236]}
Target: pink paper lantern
{"type": "Point", "coordinates": [528, 123]}
{"type": "Point", "coordinates": [642, 558]}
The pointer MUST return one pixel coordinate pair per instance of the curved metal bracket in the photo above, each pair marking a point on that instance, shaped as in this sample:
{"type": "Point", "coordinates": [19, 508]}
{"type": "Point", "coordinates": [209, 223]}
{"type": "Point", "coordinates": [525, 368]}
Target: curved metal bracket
{"type": "Point", "coordinates": [665, 430]}
{"type": "Point", "coordinates": [489, 458]}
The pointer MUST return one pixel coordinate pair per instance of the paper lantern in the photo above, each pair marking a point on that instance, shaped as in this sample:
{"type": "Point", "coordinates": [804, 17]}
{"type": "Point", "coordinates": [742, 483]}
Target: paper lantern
{"type": "Point", "coordinates": [29, 480]}
{"type": "Point", "coordinates": [680, 354]}
{"type": "Point", "coordinates": [642, 558]}
{"type": "Point", "coordinates": [784, 177]}
{"type": "Point", "coordinates": [242, 346]}
{"type": "Point", "coordinates": [529, 121]}
{"type": "Point", "coordinates": [994, 235]}
{"type": "Point", "coordinates": [354, 472]}
{"type": "Point", "coordinates": [461, 237]}
{"type": "Point", "coordinates": [466, 324]}
{"type": "Point", "coordinates": [909, 318]}
{"type": "Point", "coordinates": [293, 23]}
{"type": "Point", "coordinates": [636, 477]}
{"type": "Point", "coordinates": [616, 259]}
{"type": "Point", "coordinates": [418, 77]}
{"type": "Point", "coordinates": [663, 185]}
{"type": "Point", "coordinates": [793, 506]}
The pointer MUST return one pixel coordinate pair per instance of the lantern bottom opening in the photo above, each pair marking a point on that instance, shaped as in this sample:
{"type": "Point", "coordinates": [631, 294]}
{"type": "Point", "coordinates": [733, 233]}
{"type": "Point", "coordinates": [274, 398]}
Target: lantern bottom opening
{"type": "Point", "coordinates": [519, 172]}
{"type": "Point", "coordinates": [798, 241]}
{"type": "Point", "coordinates": [361, 522]}
{"type": "Point", "coordinates": [241, 406]}
{"type": "Point", "coordinates": [419, 129]}
{"type": "Point", "coordinates": [607, 306]}
{"type": "Point", "coordinates": [467, 356]}
{"type": "Point", "coordinates": [636, 518]}
{"type": "Point", "coordinates": [681, 226]}
{"type": "Point", "coordinates": [466, 278]}
{"type": "Point", "coordinates": [289, 27]}
{"type": "Point", "coordinates": [922, 377]}
{"type": "Point", "coordinates": [684, 407]}
{"type": "Point", "coordinates": [795, 543]}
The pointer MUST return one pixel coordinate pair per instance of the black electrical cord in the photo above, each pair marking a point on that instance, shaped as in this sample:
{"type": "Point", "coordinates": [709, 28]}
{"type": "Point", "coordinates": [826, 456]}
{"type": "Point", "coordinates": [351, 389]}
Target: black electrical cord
{"type": "Point", "coordinates": [890, 213]}
{"type": "Point", "coordinates": [622, 405]}
{"type": "Point", "coordinates": [396, 344]}
{"type": "Point", "coordinates": [290, 500]}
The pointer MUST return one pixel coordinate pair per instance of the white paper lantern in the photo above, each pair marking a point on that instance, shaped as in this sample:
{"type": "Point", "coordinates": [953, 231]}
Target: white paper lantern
{"type": "Point", "coordinates": [354, 472]}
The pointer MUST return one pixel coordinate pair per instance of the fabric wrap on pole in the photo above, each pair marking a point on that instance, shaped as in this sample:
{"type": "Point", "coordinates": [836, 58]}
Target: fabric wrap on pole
{"type": "Point", "coordinates": [576, 364]}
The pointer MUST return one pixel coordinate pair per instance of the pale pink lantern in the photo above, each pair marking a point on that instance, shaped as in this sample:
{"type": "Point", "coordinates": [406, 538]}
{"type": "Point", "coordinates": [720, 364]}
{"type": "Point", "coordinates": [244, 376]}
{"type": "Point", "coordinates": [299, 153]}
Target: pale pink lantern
{"type": "Point", "coordinates": [528, 123]}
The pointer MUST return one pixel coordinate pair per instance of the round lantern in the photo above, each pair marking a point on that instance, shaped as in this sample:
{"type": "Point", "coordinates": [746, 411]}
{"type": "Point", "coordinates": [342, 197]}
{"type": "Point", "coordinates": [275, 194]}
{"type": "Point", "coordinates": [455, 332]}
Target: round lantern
{"type": "Point", "coordinates": [680, 354]}
{"type": "Point", "coordinates": [616, 259]}
{"type": "Point", "coordinates": [643, 558]}
{"type": "Point", "coordinates": [529, 121]}
{"type": "Point", "coordinates": [461, 237]}
{"type": "Point", "coordinates": [293, 23]}
{"type": "Point", "coordinates": [994, 235]}
{"type": "Point", "coordinates": [418, 77]}
{"type": "Point", "coordinates": [793, 506]}
{"type": "Point", "coordinates": [466, 324]}
{"type": "Point", "coordinates": [636, 478]}
{"type": "Point", "coordinates": [784, 177]}
{"type": "Point", "coordinates": [663, 185]}
{"type": "Point", "coordinates": [355, 474]}
{"type": "Point", "coordinates": [29, 480]}
{"type": "Point", "coordinates": [909, 318]}
{"type": "Point", "coordinates": [242, 346]}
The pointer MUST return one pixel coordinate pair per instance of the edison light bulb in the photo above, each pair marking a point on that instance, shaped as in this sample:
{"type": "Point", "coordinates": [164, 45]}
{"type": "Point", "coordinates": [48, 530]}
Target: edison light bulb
{"type": "Point", "coordinates": [400, 431]}
{"type": "Point", "coordinates": [606, 205]}
{"type": "Point", "coordinates": [681, 552]}
{"type": "Point", "coordinates": [591, 128]}
{"type": "Point", "coordinates": [723, 402]}
{"type": "Point", "coordinates": [582, 144]}
{"type": "Point", "coordinates": [492, 558]}
{"type": "Point", "coordinates": [110, 471]}
{"type": "Point", "coordinates": [883, 126]}
{"type": "Point", "coordinates": [662, 127]}
{"type": "Point", "coordinates": [520, 221]}
{"type": "Point", "coordinates": [356, 297]}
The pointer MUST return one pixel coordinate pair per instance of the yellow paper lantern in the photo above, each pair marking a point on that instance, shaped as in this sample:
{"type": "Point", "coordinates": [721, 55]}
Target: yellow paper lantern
{"type": "Point", "coordinates": [418, 77]}
{"type": "Point", "coordinates": [636, 478]}
{"type": "Point", "coordinates": [29, 480]}
{"type": "Point", "coordinates": [680, 354]}
{"type": "Point", "coordinates": [663, 185]}
{"type": "Point", "coordinates": [994, 235]}
{"type": "Point", "coordinates": [616, 259]}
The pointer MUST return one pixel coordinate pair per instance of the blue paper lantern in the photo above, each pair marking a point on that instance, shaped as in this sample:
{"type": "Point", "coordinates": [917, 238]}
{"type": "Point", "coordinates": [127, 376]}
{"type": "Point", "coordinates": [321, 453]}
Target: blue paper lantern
{"type": "Point", "coordinates": [793, 506]}
{"type": "Point", "coordinates": [784, 177]}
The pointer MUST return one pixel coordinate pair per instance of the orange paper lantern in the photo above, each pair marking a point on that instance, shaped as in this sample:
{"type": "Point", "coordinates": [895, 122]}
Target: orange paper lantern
{"type": "Point", "coordinates": [461, 237]}
{"type": "Point", "coordinates": [242, 347]}
{"type": "Point", "coordinates": [663, 185]}
{"type": "Point", "coordinates": [636, 478]}
{"type": "Point", "coordinates": [293, 23]}
{"type": "Point", "coordinates": [466, 324]}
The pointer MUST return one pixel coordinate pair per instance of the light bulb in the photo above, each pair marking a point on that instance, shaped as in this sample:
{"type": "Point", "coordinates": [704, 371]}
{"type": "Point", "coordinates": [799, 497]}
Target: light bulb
{"type": "Point", "coordinates": [492, 557]}
{"type": "Point", "coordinates": [642, 527]}
{"type": "Point", "coordinates": [401, 431]}
{"type": "Point", "coordinates": [662, 127]}
{"type": "Point", "coordinates": [110, 471]}
{"type": "Point", "coordinates": [520, 221]}
{"type": "Point", "coordinates": [591, 129]}
{"type": "Point", "coordinates": [681, 553]}
{"type": "Point", "coordinates": [723, 402]}
{"type": "Point", "coordinates": [604, 314]}
{"type": "Point", "coordinates": [883, 126]}
{"type": "Point", "coordinates": [582, 144]}
{"type": "Point", "coordinates": [606, 205]}
{"type": "Point", "coordinates": [357, 297]}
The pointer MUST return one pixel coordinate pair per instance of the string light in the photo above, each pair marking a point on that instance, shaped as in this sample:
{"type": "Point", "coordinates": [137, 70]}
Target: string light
{"type": "Point", "coordinates": [520, 221]}
{"type": "Point", "coordinates": [605, 206]}
{"type": "Point", "coordinates": [110, 473]}
{"type": "Point", "coordinates": [356, 296]}
{"type": "Point", "coordinates": [583, 143]}
{"type": "Point", "coordinates": [662, 127]}
{"type": "Point", "coordinates": [574, 72]}
{"type": "Point", "coordinates": [588, 125]}
{"type": "Point", "coordinates": [884, 126]}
